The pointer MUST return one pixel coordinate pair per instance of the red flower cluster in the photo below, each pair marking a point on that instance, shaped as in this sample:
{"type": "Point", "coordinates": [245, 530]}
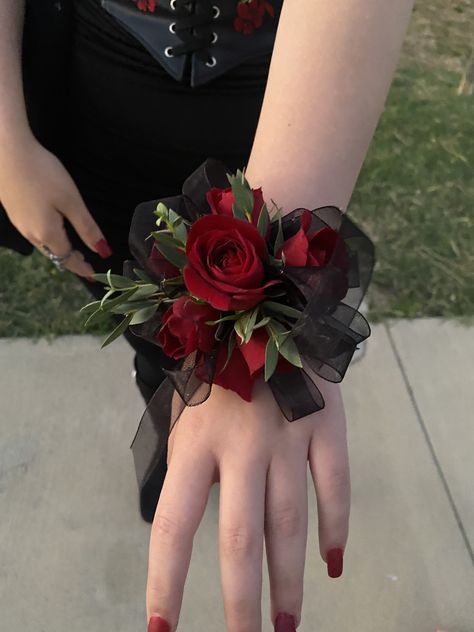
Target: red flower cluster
{"type": "Point", "coordinates": [225, 268]}
{"type": "Point", "coordinates": [250, 15]}
{"type": "Point", "coordinates": [146, 5]}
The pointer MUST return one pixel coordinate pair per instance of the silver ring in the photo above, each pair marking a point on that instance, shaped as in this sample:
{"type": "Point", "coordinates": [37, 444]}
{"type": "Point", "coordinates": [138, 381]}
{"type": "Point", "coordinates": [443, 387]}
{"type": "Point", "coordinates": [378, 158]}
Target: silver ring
{"type": "Point", "coordinates": [58, 260]}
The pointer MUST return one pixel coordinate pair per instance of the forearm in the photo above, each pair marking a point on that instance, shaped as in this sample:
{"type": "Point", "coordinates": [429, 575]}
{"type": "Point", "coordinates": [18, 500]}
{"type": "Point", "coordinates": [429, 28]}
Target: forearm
{"type": "Point", "coordinates": [331, 69]}
{"type": "Point", "coordinates": [13, 118]}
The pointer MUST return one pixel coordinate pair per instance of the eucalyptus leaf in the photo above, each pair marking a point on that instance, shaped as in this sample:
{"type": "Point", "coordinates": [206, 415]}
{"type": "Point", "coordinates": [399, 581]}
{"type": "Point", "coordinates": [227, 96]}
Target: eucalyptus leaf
{"type": "Point", "coordinates": [262, 323]}
{"type": "Point", "coordinates": [113, 280]}
{"type": "Point", "coordinates": [279, 240]}
{"type": "Point", "coordinates": [142, 315]}
{"type": "Point", "coordinates": [144, 291]}
{"type": "Point", "coordinates": [280, 308]}
{"type": "Point", "coordinates": [249, 324]}
{"type": "Point", "coordinates": [271, 358]}
{"type": "Point", "coordinates": [223, 319]}
{"type": "Point", "coordinates": [142, 275]}
{"type": "Point", "coordinates": [181, 231]}
{"type": "Point", "coordinates": [90, 307]}
{"type": "Point", "coordinates": [170, 252]}
{"type": "Point", "coordinates": [132, 306]}
{"type": "Point", "coordinates": [263, 221]}
{"type": "Point", "coordinates": [230, 348]}
{"type": "Point", "coordinates": [97, 317]}
{"type": "Point", "coordinates": [118, 331]}
{"type": "Point", "coordinates": [243, 196]}
{"type": "Point", "coordinates": [121, 298]}
{"type": "Point", "coordinates": [289, 350]}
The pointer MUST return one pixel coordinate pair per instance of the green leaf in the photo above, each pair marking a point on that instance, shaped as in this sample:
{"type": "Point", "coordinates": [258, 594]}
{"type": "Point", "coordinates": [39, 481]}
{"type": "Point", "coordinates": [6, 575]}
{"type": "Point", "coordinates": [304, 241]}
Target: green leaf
{"type": "Point", "coordinates": [224, 319]}
{"type": "Point", "coordinates": [289, 350]}
{"type": "Point", "coordinates": [97, 317]}
{"type": "Point", "coordinates": [115, 281]}
{"type": "Point", "coordinates": [144, 291]}
{"type": "Point", "coordinates": [132, 306]}
{"type": "Point", "coordinates": [90, 307]}
{"type": "Point", "coordinates": [262, 323]}
{"type": "Point", "coordinates": [142, 315]}
{"type": "Point", "coordinates": [118, 331]}
{"type": "Point", "coordinates": [263, 221]}
{"type": "Point", "coordinates": [277, 332]}
{"type": "Point", "coordinates": [142, 275]}
{"type": "Point", "coordinates": [239, 328]}
{"type": "Point", "coordinates": [281, 308]}
{"type": "Point", "coordinates": [271, 358]}
{"type": "Point", "coordinates": [279, 238]}
{"type": "Point", "coordinates": [169, 250]}
{"type": "Point", "coordinates": [243, 196]}
{"type": "Point", "coordinates": [230, 348]}
{"type": "Point", "coordinates": [108, 304]}
{"type": "Point", "coordinates": [249, 324]}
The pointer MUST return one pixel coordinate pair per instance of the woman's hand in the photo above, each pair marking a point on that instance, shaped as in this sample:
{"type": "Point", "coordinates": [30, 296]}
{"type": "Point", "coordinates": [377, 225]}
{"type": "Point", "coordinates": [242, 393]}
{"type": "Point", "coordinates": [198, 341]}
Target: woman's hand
{"type": "Point", "coordinates": [260, 460]}
{"type": "Point", "coordinates": [38, 193]}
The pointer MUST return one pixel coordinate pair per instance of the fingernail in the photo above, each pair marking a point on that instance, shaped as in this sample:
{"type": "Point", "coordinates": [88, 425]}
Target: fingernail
{"type": "Point", "coordinates": [334, 562]}
{"type": "Point", "coordinates": [103, 248]}
{"type": "Point", "coordinates": [285, 622]}
{"type": "Point", "coordinates": [157, 624]}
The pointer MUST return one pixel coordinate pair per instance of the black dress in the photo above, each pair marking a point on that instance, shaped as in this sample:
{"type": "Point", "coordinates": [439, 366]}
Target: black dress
{"type": "Point", "coordinates": [155, 87]}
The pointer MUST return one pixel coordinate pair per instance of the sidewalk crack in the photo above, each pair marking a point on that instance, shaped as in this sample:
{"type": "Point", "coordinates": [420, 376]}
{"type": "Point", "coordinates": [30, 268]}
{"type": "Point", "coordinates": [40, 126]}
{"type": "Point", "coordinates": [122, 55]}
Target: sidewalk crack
{"type": "Point", "coordinates": [424, 429]}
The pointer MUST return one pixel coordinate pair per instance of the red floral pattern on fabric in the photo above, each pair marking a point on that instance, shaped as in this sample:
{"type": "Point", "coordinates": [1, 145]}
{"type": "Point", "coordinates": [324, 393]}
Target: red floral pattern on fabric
{"type": "Point", "coordinates": [149, 6]}
{"type": "Point", "coordinates": [250, 15]}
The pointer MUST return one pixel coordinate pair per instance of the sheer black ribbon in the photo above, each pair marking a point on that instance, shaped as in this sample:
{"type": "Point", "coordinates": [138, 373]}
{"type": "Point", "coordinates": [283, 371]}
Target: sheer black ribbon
{"type": "Point", "coordinates": [326, 334]}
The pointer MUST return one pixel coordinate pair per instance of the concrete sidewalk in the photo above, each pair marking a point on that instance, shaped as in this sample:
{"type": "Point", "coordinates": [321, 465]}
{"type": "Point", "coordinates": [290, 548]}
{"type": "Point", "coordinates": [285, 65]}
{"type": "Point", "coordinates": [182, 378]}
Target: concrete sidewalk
{"type": "Point", "coordinates": [73, 547]}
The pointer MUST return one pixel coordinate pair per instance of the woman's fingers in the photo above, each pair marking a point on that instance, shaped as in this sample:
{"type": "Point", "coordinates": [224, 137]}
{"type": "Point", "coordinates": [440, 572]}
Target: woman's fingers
{"type": "Point", "coordinates": [329, 463]}
{"type": "Point", "coordinates": [286, 527]}
{"type": "Point", "coordinates": [84, 224]}
{"type": "Point", "coordinates": [57, 241]}
{"type": "Point", "coordinates": [241, 522]}
{"type": "Point", "coordinates": [180, 509]}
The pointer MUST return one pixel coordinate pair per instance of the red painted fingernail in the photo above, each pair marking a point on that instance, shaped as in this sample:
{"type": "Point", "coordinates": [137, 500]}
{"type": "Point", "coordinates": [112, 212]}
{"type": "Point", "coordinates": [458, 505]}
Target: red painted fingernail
{"type": "Point", "coordinates": [285, 622]}
{"type": "Point", "coordinates": [334, 562]}
{"type": "Point", "coordinates": [103, 249]}
{"type": "Point", "coordinates": [157, 624]}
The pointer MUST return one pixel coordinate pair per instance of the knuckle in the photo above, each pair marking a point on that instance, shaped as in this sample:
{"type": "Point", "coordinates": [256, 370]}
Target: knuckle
{"type": "Point", "coordinates": [239, 542]}
{"type": "Point", "coordinates": [168, 529]}
{"type": "Point", "coordinates": [284, 520]}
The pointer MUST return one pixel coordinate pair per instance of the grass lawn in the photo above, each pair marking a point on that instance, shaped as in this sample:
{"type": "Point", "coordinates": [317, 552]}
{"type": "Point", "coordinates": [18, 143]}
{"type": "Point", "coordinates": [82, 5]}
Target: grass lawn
{"type": "Point", "coordinates": [415, 195]}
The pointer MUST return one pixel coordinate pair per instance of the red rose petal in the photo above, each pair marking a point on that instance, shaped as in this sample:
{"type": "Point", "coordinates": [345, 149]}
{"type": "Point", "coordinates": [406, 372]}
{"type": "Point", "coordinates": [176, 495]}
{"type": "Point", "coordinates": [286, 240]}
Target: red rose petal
{"type": "Point", "coordinates": [295, 249]}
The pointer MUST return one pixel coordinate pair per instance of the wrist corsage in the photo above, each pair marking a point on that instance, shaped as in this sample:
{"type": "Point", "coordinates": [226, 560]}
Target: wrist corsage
{"type": "Point", "coordinates": [232, 291]}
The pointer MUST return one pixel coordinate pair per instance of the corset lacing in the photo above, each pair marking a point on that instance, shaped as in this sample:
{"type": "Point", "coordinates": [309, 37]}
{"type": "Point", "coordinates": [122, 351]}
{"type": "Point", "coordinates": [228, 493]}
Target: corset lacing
{"type": "Point", "coordinates": [184, 25]}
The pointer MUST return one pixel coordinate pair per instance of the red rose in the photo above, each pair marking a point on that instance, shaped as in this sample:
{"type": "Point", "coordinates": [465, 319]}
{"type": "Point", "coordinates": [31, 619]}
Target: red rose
{"type": "Point", "coordinates": [159, 265]}
{"type": "Point", "coordinates": [314, 249]}
{"type": "Point", "coordinates": [221, 201]}
{"type": "Point", "coordinates": [225, 263]}
{"type": "Point", "coordinates": [184, 328]}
